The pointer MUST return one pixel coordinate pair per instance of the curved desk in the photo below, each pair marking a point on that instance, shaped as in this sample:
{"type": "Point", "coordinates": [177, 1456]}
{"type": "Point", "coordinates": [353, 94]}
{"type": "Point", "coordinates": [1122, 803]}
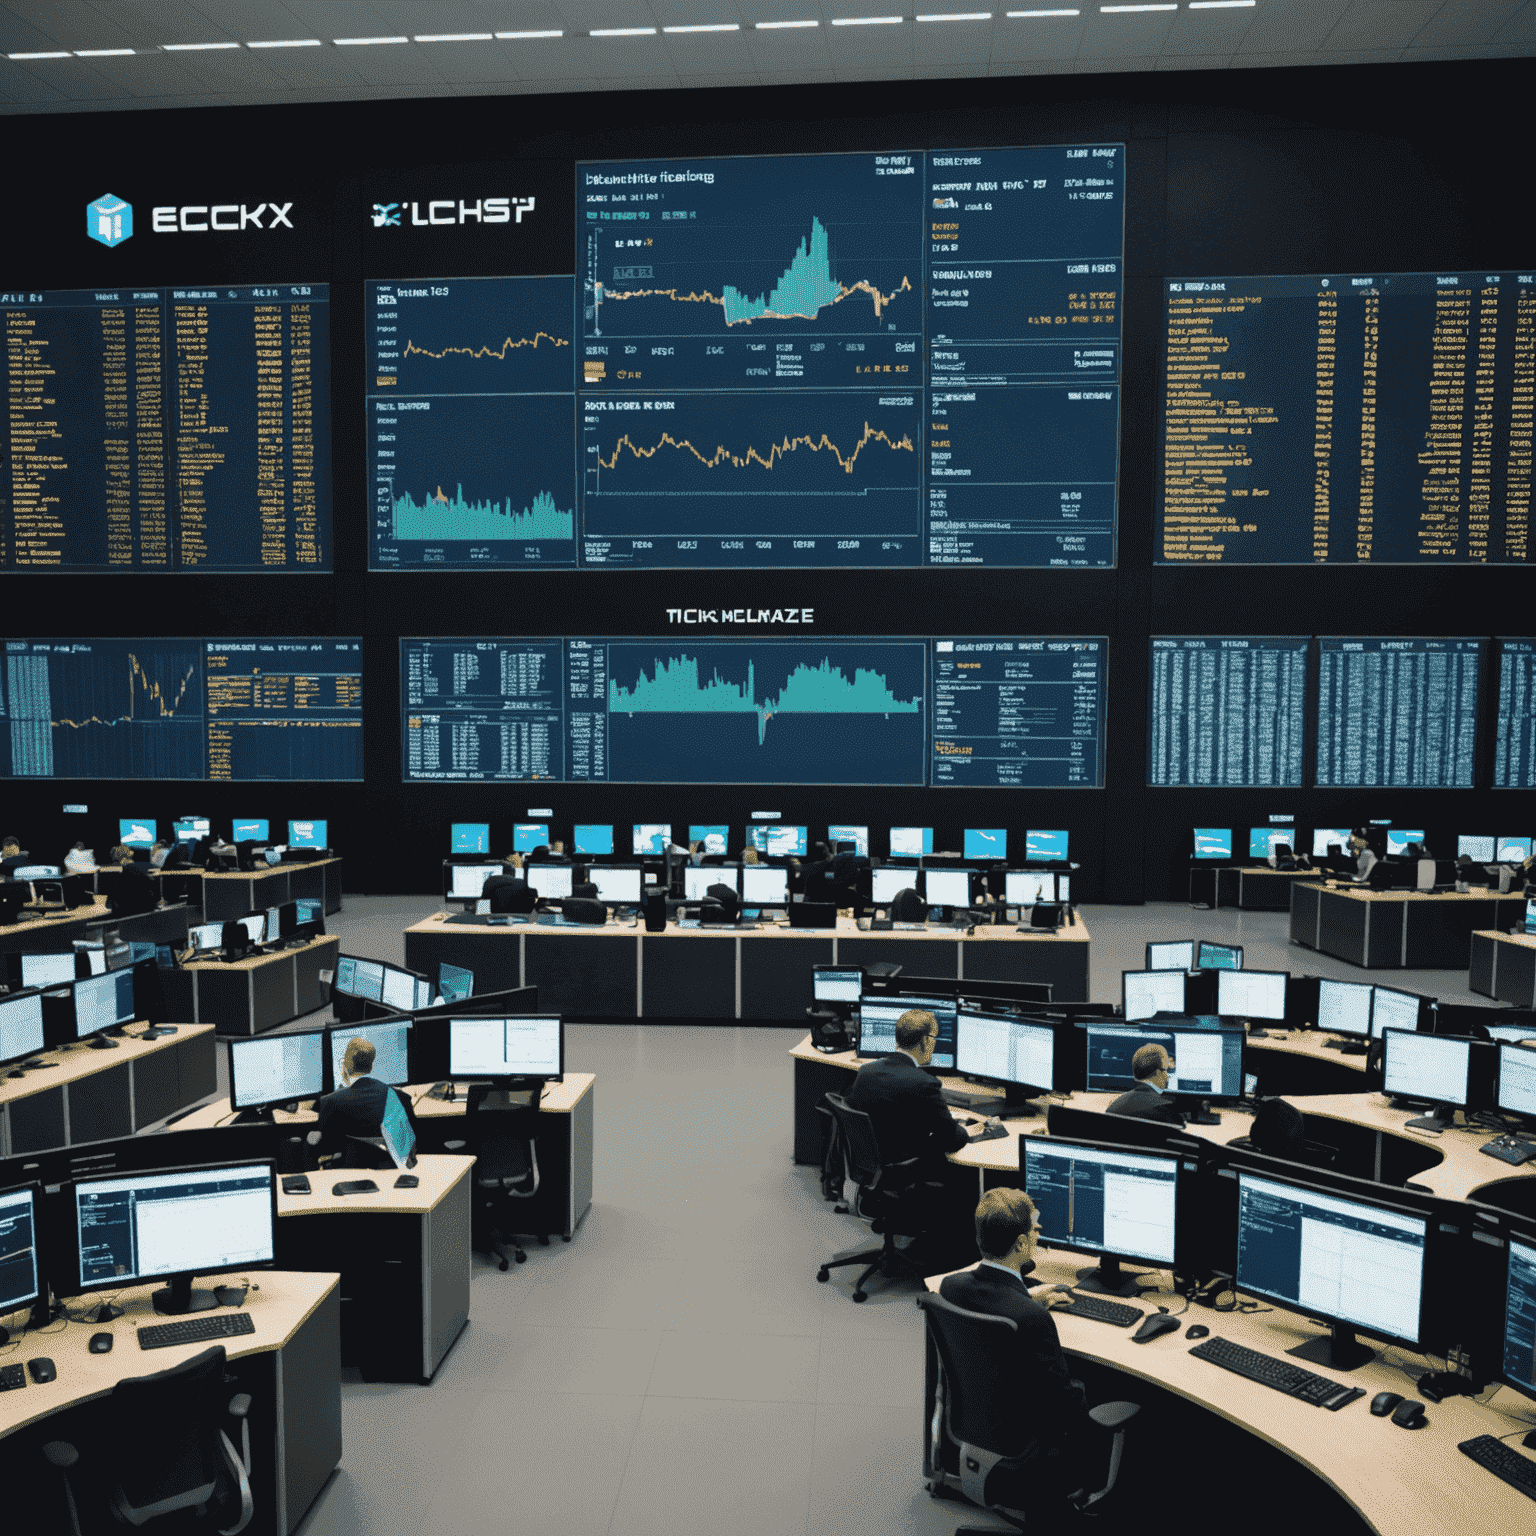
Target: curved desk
{"type": "Point", "coordinates": [44, 934]}
{"type": "Point", "coordinates": [1504, 966]}
{"type": "Point", "coordinates": [223, 894]}
{"type": "Point", "coordinates": [291, 1365]}
{"type": "Point", "coordinates": [1393, 929]}
{"type": "Point", "coordinates": [247, 997]}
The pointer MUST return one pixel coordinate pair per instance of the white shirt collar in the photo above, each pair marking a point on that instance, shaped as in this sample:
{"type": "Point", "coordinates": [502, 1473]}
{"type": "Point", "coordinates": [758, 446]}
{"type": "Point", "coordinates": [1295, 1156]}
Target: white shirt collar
{"type": "Point", "coordinates": [1013, 1273]}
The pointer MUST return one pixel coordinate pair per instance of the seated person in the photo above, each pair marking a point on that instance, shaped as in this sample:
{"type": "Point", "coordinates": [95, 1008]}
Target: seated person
{"type": "Point", "coordinates": [133, 891]}
{"type": "Point", "coordinates": [159, 854]}
{"type": "Point", "coordinates": [12, 854]}
{"type": "Point", "coordinates": [79, 860]}
{"type": "Point", "coordinates": [357, 1107]}
{"type": "Point", "coordinates": [1053, 1402]}
{"type": "Point", "coordinates": [1365, 857]}
{"type": "Point", "coordinates": [1150, 1067]}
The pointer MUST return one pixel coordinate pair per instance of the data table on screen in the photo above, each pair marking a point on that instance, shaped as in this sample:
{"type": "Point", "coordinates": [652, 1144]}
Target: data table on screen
{"type": "Point", "coordinates": [1018, 712]}
{"type": "Point", "coordinates": [1397, 712]}
{"type": "Point", "coordinates": [471, 423]}
{"type": "Point", "coordinates": [167, 429]}
{"type": "Point", "coordinates": [1514, 763]}
{"type": "Point", "coordinates": [1346, 418]}
{"type": "Point", "coordinates": [1227, 710]}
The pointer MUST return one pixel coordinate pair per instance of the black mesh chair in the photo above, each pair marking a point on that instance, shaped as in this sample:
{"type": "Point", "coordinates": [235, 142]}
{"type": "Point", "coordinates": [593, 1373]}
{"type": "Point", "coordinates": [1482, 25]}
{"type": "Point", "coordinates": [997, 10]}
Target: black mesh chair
{"type": "Point", "coordinates": [502, 1137]}
{"type": "Point", "coordinates": [909, 907]}
{"type": "Point", "coordinates": [167, 1452]}
{"type": "Point", "coordinates": [987, 1416]}
{"type": "Point", "coordinates": [1279, 1131]}
{"type": "Point", "coordinates": [889, 1198]}
{"type": "Point", "coordinates": [506, 894]}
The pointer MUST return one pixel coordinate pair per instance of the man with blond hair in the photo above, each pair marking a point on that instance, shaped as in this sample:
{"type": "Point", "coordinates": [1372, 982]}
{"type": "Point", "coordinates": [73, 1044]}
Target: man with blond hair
{"type": "Point", "coordinates": [357, 1107]}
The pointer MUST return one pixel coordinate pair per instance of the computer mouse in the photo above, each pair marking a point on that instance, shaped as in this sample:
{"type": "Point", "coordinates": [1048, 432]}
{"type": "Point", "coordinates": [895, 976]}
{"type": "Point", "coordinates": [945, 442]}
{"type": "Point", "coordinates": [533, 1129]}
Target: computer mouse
{"type": "Point", "coordinates": [1384, 1402]}
{"type": "Point", "coordinates": [1155, 1326]}
{"type": "Point", "coordinates": [1410, 1415]}
{"type": "Point", "coordinates": [101, 1343]}
{"type": "Point", "coordinates": [41, 1370]}
{"type": "Point", "coordinates": [1197, 1331]}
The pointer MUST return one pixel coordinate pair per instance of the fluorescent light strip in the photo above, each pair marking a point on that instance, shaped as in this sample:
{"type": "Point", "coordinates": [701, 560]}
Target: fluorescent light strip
{"type": "Point", "coordinates": [866, 21]}
{"type": "Point", "coordinates": [1016, 14]}
{"type": "Point", "coordinates": [291, 42]}
{"type": "Point", "coordinates": [366, 42]}
{"type": "Point", "coordinates": [514, 36]}
{"type": "Point", "coordinates": [956, 16]}
{"type": "Point", "coordinates": [779, 26]}
{"type": "Point", "coordinates": [714, 26]}
{"type": "Point", "coordinates": [195, 47]}
{"type": "Point", "coordinates": [624, 32]}
{"type": "Point", "coordinates": [453, 37]}
{"type": "Point", "coordinates": [1111, 10]}
{"type": "Point", "coordinates": [1219, 5]}
{"type": "Point", "coordinates": [102, 53]}
{"type": "Point", "coordinates": [63, 55]}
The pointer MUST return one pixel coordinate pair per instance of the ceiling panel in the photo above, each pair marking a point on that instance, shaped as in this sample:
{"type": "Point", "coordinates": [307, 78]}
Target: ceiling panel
{"type": "Point", "coordinates": [1381, 24]}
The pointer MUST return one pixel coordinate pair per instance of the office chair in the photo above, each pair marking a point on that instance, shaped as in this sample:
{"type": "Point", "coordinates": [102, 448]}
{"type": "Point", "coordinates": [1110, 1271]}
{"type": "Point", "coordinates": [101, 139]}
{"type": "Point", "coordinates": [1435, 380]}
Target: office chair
{"type": "Point", "coordinates": [583, 909]}
{"type": "Point", "coordinates": [884, 1199]}
{"type": "Point", "coordinates": [988, 1418]}
{"type": "Point", "coordinates": [1279, 1131]}
{"type": "Point", "coordinates": [909, 907]}
{"type": "Point", "coordinates": [166, 1451]}
{"type": "Point", "coordinates": [132, 892]}
{"type": "Point", "coordinates": [502, 1138]}
{"type": "Point", "coordinates": [506, 894]}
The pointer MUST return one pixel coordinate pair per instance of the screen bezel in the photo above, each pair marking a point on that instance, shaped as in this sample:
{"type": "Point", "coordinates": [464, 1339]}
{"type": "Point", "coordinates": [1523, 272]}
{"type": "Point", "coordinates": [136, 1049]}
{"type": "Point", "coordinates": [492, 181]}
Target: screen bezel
{"type": "Point", "coordinates": [97, 981]}
{"type": "Point", "coordinates": [1526, 1117]}
{"type": "Point", "coordinates": [1124, 1005]}
{"type": "Point", "coordinates": [1162, 944]}
{"type": "Point", "coordinates": [597, 870]}
{"type": "Point", "coordinates": [1203, 944]}
{"type": "Point", "coordinates": [1349, 1034]}
{"type": "Point", "coordinates": [756, 902]}
{"type": "Point", "coordinates": [1285, 1000]}
{"type": "Point", "coordinates": [505, 1078]}
{"type": "Point", "coordinates": [349, 1032]}
{"type": "Point", "coordinates": [325, 1059]}
{"type": "Point", "coordinates": [917, 1000]}
{"type": "Point", "coordinates": [39, 1272]}
{"type": "Point", "coordinates": [1011, 1019]}
{"type": "Point", "coordinates": [577, 851]}
{"type": "Point", "coordinates": [478, 827]}
{"type": "Point", "coordinates": [943, 874]}
{"type": "Point", "coordinates": [1417, 1098]}
{"type": "Point", "coordinates": [1048, 1145]}
{"type": "Point", "coordinates": [1131, 1026]}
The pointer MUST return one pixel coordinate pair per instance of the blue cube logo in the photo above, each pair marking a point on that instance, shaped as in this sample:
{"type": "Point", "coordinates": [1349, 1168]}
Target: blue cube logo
{"type": "Point", "coordinates": [109, 219]}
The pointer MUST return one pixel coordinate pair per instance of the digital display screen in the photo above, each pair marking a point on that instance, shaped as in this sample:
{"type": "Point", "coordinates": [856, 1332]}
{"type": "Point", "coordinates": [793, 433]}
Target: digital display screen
{"type": "Point", "coordinates": [528, 835]}
{"type": "Point", "coordinates": [470, 837]}
{"type": "Point", "coordinates": [842, 833]}
{"type": "Point", "coordinates": [553, 882]}
{"type": "Point", "coordinates": [889, 881]}
{"type": "Point", "coordinates": [986, 843]}
{"type": "Point", "coordinates": [1264, 841]}
{"type": "Point", "coordinates": [877, 1025]}
{"type": "Point", "coordinates": [910, 842]}
{"type": "Point", "coordinates": [1213, 842]}
{"type": "Point", "coordinates": [778, 841]}
{"type": "Point", "coordinates": [1005, 1049]}
{"type": "Point", "coordinates": [1026, 887]}
{"type": "Point", "coordinates": [1324, 838]}
{"type": "Point", "coordinates": [713, 838]}
{"type": "Point", "coordinates": [1123, 1203]}
{"type": "Point", "coordinates": [618, 886]}
{"type": "Point", "coordinates": [1433, 1067]}
{"type": "Point", "coordinates": [593, 839]}
{"type": "Point", "coordinates": [529, 1045]}
{"type": "Point", "coordinates": [697, 879]}
{"type": "Point", "coordinates": [947, 887]}
{"type": "Point", "coordinates": [1046, 847]}
{"type": "Point", "coordinates": [650, 838]}
{"type": "Point", "coordinates": [466, 881]}
{"type": "Point", "coordinates": [764, 886]}
{"type": "Point", "coordinates": [1398, 842]}
{"type": "Point", "coordinates": [1514, 759]}
{"type": "Point", "coordinates": [249, 831]}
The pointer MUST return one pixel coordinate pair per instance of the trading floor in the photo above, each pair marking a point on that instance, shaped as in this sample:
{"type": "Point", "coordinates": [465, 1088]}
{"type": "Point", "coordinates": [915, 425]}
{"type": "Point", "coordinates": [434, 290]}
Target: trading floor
{"type": "Point", "coordinates": [676, 1369]}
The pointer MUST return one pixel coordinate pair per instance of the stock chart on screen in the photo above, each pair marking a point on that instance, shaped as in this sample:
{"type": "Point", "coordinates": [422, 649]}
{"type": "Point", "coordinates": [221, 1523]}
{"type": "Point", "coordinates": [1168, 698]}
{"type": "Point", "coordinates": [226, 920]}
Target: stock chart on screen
{"type": "Point", "coordinates": [832, 711]}
{"type": "Point", "coordinates": [234, 709]}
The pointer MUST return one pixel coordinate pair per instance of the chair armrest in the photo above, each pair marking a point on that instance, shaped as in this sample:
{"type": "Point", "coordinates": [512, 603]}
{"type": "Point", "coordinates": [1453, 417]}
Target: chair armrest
{"type": "Point", "coordinates": [454, 1146]}
{"type": "Point", "coordinates": [239, 1405]}
{"type": "Point", "coordinates": [1112, 1416]}
{"type": "Point", "coordinates": [312, 1139]}
{"type": "Point", "coordinates": [61, 1454]}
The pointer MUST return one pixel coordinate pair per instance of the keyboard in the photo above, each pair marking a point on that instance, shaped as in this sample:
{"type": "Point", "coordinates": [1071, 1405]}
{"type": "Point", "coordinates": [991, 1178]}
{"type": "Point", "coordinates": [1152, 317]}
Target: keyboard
{"type": "Point", "coordinates": [1504, 1461]}
{"type": "Point", "coordinates": [11, 1377]}
{"type": "Point", "coordinates": [205, 1328]}
{"type": "Point", "coordinates": [1320, 1391]}
{"type": "Point", "coordinates": [1102, 1310]}
{"type": "Point", "coordinates": [1512, 1152]}
{"type": "Point", "coordinates": [355, 1187]}
{"type": "Point", "coordinates": [988, 1133]}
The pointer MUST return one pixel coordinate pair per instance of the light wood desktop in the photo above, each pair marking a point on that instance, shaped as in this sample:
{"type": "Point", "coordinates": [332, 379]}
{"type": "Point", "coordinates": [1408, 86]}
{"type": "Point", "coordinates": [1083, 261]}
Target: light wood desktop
{"type": "Point", "coordinates": [1392, 929]}
{"type": "Point", "coordinates": [290, 1364]}
{"type": "Point", "coordinates": [1503, 966]}
{"type": "Point", "coordinates": [224, 894]}
{"type": "Point", "coordinates": [250, 996]}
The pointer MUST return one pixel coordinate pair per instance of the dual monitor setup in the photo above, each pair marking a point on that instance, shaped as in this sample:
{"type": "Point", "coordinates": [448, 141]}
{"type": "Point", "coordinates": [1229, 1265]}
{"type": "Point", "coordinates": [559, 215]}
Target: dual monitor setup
{"type": "Point", "coordinates": [1400, 843]}
{"type": "Point", "coordinates": [288, 923]}
{"type": "Point", "coordinates": [144, 832]}
{"type": "Point", "coordinates": [56, 1010]}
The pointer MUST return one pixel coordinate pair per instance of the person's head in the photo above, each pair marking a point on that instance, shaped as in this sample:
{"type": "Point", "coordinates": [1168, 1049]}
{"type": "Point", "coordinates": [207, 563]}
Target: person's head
{"type": "Point", "coordinates": [9, 848]}
{"type": "Point", "coordinates": [1152, 1064]}
{"type": "Point", "coordinates": [515, 860]}
{"type": "Point", "coordinates": [916, 1032]}
{"type": "Point", "coordinates": [358, 1060]}
{"type": "Point", "coordinates": [557, 848]}
{"type": "Point", "coordinates": [1006, 1226]}
{"type": "Point", "coordinates": [749, 855]}
{"type": "Point", "coordinates": [78, 848]}
{"type": "Point", "coordinates": [820, 853]}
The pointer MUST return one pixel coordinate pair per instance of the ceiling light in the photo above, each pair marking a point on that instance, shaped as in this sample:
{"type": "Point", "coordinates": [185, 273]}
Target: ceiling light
{"type": "Point", "coordinates": [509, 36]}
{"type": "Point", "coordinates": [366, 42]}
{"type": "Point", "coordinates": [1218, 5]}
{"type": "Point", "coordinates": [1110, 10]}
{"type": "Point", "coordinates": [195, 47]}
{"type": "Point", "coordinates": [291, 42]}
{"type": "Point", "coordinates": [99, 53]}
{"type": "Point", "coordinates": [776, 26]}
{"type": "Point", "coordinates": [624, 32]}
{"type": "Point", "coordinates": [714, 26]}
{"type": "Point", "coordinates": [453, 37]}
{"type": "Point", "coordinates": [956, 16]}
{"type": "Point", "coordinates": [1044, 13]}
{"type": "Point", "coordinates": [63, 55]}
{"type": "Point", "coordinates": [866, 21]}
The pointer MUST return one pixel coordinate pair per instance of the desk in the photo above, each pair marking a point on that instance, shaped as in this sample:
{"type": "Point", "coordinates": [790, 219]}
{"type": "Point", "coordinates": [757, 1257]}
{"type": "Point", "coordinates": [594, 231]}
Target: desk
{"type": "Point", "coordinates": [225, 894]}
{"type": "Point", "coordinates": [1392, 1480]}
{"type": "Point", "coordinates": [1384, 929]}
{"type": "Point", "coordinates": [55, 931]}
{"type": "Point", "coordinates": [711, 973]}
{"type": "Point", "coordinates": [290, 1366]}
{"type": "Point", "coordinates": [1252, 887]}
{"type": "Point", "coordinates": [89, 1095]}
{"type": "Point", "coordinates": [1504, 966]}
{"type": "Point", "coordinates": [246, 997]}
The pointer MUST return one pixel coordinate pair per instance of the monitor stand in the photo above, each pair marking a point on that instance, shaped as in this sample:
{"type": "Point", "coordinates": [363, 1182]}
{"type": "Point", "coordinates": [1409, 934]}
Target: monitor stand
{"type": "Point", "coordinates": [1340, 1350]}
{"type": "Point", "coordinates": [442, 1091]}
{"type": "Point", "coordinates": [178, 1298]}
{"type": "Point", "coordinates": [1018, 1103]}
{"type": "Point", "coordinates": [101, 1043]}
{"type": "Point", "coordinates": [263, 1116]}
{"type": "Point", "coordinates": [1442, 1117]}
{"type": "Point", "coordinates": [1348, 1047]}
{"type": "Point", "coordinates": [1203, 1115]}
{"type": "Point", "coordinates": [1106, 1278]}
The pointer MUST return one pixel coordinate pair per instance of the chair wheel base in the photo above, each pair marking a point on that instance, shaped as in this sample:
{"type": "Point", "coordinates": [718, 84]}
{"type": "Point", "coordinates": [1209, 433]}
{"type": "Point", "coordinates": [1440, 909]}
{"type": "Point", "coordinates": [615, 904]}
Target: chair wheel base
{"type": "Point", "coordinates": [859, 1295]}
{"type": "Point", "coordinates": [502, 1265]}
{"type": "Point", "coordinates": [823, 1275]}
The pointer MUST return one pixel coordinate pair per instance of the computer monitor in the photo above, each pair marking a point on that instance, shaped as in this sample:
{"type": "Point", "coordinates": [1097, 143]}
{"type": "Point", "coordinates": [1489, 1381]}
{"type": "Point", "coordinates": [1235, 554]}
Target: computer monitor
{"type": "Point", "coordinates": [1112, 1201]}
{"type": "Point", "coordinates": [276, 1069]}
{"type": "Point", "coordinates": [174, 1224]}
{"type": "Point", "coordinates": [617, 885]}
{"type": "Point", "coordinates": [47, 970]}
{"type": "Point", "coordinates": [1344, 1008]}
{"type": "Point", "coordinates": [778, 841]}
{"type": "Point", "coordinates": [357, 977]}
{"type": "Point", "coordinates": [1047, 847]}
{"type": "Point", "coordinates": [1218, 957]}
{"type": "Point", "coordinates": [307, 834]}
{"type": "Point", "coordinates": [255, 925]}
{"type": "Point", "coordinates": [591, 839]}
{"type": "Point", "coordinates": [249, 830]}
{"type": "Point", "coordinates": [840, 984]}
{"type": "Point", "coordinates": [1026, 887]}
{"type": "Point", "coordinates": [1143, 993]}
{"type": "Point", "coordinates": [21, 1026]}
{"type": "Point", "coordinates": [35, 872]}
{"type": "Point", "coordinates": [191, 829]}
{"type": "Point", "coordinates": [1519, 1353]}
{"type": "Point", "coordinates": [1392, 1009]}
{"type": "Point", "coordinates": [1530, 915]}
{"type": "Point", "coordinates": [877, 1025]}
{"type": "Point", "coordinates": [395, 1128]}
{"type": "Point", "coordinates": [1171, 955]}
{"type": "Point", "coordinates": [1208, 1063]}
{"type": "Point", "coordinates": [205, 936]}
{"type": "Point", "coordinates": [697, 879]}
{"type": "Point", "coordinates": [1516, 1093]}
{"type": "Point", "coordinates": [1004, 1048]}
{"type": "Point", "coordinates": [19, 1269]}
{"type": "Point", "coordinates": [1513, 850]}
{"type": "Point", "coordinates": [470, 837]}
{"type": "Point", "coordinates": [716, 839]}
{"type": "Point", "coordinates": [1213, 842]}
{"type": "Point", "coordinates": [650, 838]}
{"type": "Point", "coordinates": [403, 990]}
{"type": "Point", "coordinates": [888, 881]}
{"type": "Point", "coordinates": [1398, 840]}
{"type": "Point", "coordinates": [843, 833]}
{"type": "Point", "coordinates": [1352, 1262]}
{"type": "Point", "coordinates": [1262, 841]}
{"type": "Point", "coordinates": [1429, 1069]}
{"type": "Point", "coordinates": [1251, 994]}
{"type": "Point", "coordinates": [1324, 838]}
{"type": "Point", "coordinates": [528, 835]}
{"type": "Point", "coordinates": [390, 1039]}
{"type": "Point", "coordinates": [103, 1002]}
{"type": "Point", "coordinates": [910, 842]}
{"type": "Point", "coordinates": [1511, 1032]}
{"type": "Point", "coordinates": [529, 1047]}
{"type": "Point", "coordinates": [986, 842]}
{"type": "Point", "coordinates": [947, 887]}
{"type": "Point", "coordinates": [553, 882]}
{"type": "Point", "coordinates": [137, 832]}
{"type": "Point", "coordinates": [454, 982]}
{"type": "Point", "coordinates": [764, 886]}
{"type": "Point", "coordinates": [466, 881]}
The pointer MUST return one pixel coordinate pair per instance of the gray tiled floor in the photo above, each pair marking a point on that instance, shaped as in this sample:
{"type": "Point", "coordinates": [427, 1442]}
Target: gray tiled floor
{"type": "Point", "coordinates": [676, 1368]}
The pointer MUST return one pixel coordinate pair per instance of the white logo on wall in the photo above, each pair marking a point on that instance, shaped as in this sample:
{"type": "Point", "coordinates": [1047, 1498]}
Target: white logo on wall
{"type": "Point", "coordinates": [445, 210]}
{"type": "Point", "coordinates": [223, 218]}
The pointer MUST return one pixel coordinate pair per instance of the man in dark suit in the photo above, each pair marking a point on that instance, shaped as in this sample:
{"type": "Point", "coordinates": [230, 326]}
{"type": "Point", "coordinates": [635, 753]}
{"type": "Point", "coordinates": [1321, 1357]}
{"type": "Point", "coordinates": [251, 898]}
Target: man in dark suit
{"type": "Point", "coordinates": [356, 1109]}
{"type": "Point", "coordinates": [1052, 1403]}
{"type": "Point", "coordinates": [1150, 1066]}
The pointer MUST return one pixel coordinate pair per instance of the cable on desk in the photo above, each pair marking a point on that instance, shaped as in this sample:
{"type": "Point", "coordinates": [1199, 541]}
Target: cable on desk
{"type": "Point", "coordinates": [1236, 1304]}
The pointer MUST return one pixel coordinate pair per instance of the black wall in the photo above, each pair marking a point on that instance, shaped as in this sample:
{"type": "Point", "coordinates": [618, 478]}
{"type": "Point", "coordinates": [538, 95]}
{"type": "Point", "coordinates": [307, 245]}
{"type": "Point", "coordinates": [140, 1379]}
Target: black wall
{"type": "Point", "coordinates": [1403, 168]}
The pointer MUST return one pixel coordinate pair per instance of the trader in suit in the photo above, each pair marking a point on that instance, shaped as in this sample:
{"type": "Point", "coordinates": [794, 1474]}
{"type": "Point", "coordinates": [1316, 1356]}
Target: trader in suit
{"type": "Point", "coordinates": [357, 1108]}
{"type": "Point", "coordinates": [11, 854]}
{"type": "Point", "coordinates": [1365, 857]}
{"type": "Point", "coordinates": [1150, 1067]}
{"type": "Point", "coordinates": [1053, 1402]}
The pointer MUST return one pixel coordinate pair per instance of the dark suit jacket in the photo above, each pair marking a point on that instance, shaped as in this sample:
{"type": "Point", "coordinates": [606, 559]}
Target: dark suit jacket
{"type": "Point", "coordinates": [907, 1110]}
{"type": "Point", "coordinates": [357, 1110]}
{"type": "Point", "coordinates": [1055, 1403]}
{"type": "Point", "coordinates": [1146, 1103]}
